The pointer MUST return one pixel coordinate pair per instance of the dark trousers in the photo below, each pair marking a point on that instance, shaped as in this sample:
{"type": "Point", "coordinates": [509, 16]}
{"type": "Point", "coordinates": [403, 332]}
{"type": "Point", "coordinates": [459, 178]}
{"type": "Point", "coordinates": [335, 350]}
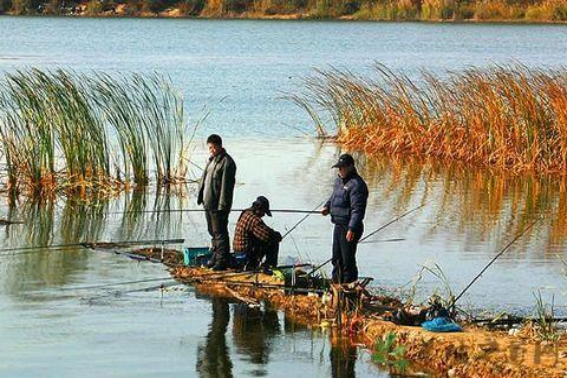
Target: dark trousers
{"type": "Point", "coordinates": [344, 255]}
{"type": "Point", "coordinates": [217, 223]}
{"type": "Point", "coordinates": [259, 250]}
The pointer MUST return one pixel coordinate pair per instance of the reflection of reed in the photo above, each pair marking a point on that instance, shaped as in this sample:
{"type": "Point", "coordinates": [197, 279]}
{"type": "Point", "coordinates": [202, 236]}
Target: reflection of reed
{"type": "Point", "coordinates": [159, 223]}
{"type": "Point", "coordinates": [477, 203]}
{"type": "Point", "coordinates": [38, 226]}
{"type": "Point", "coordinates": [50, 221]}
{"type": "Point", "coordinates": [43, 227]}
{"type": "Point", "coordinates": [82, 221]}
{"type": "Point", "coordinates": [134, 203]}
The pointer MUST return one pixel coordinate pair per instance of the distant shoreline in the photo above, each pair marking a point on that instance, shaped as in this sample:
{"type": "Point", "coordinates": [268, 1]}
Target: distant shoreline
{"type": "Point", "coordinates": [289, 18]}
{"type": "Point", "coordinates": [552, 12]}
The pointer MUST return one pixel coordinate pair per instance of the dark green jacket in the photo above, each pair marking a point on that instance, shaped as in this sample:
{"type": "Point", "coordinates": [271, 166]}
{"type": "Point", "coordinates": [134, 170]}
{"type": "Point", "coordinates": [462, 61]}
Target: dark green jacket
{"type": "Point", "coordinates": [219, 194]}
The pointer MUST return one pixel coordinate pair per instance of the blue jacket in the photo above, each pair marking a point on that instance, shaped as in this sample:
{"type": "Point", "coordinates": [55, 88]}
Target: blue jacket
{"type": "Point", "coordinates": [347, 204]}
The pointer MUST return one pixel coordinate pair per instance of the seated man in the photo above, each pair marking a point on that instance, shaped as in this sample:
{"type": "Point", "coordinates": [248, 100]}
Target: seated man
{"type": "Point", "coordinates": [254, 238]}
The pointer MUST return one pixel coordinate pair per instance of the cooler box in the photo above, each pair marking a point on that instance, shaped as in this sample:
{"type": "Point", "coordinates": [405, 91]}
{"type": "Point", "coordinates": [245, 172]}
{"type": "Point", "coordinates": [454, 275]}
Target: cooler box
{"type": "Point", "coordinates": [193, 256]}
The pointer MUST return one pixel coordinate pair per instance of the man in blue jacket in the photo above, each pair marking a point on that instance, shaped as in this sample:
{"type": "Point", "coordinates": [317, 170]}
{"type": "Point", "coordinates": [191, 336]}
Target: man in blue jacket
{"type": "Point", "coordinates": [347, 207]}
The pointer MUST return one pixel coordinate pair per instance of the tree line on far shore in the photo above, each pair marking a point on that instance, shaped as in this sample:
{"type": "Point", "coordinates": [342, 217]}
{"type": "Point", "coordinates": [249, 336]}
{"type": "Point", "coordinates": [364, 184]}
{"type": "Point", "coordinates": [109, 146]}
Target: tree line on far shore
{"type": "Point", "coordinates": [388, 10]}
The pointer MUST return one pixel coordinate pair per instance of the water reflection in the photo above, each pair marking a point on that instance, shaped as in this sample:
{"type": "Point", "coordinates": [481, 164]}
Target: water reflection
{"type": "Point", "coordinates": [253, 329]}
{"type": "Point", "coordinates": [477, 204]}
{"type": "Point", "coordinates": [44, 226]}
{"type": "Point", "coordinates": [252, 332]}
{"type": "Point", "coordinates": [468, 213]}
{"type": "Point", "coordinates": [343, 356]}
{"type": "Point", "coordinates": [213, 358]}
{"type": "Point", "coordinates": [255, 335]}
{"type": "Point", "coordinates": [56, 221]}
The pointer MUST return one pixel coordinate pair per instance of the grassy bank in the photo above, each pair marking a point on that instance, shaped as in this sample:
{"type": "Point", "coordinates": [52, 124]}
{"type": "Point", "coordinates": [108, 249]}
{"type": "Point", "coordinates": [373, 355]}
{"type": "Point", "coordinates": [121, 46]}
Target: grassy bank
{"type": "Point", "coordinates": [76, 132]}
{"type": "Point", "coordinates": [387, 10]}
{"type": "Point", "coordinates": [512, 118]}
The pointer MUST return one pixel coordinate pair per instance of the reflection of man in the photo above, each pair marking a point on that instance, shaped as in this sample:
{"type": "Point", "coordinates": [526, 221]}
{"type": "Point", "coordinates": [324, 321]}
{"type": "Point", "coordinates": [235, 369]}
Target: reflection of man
{"type": "Point", "coordinates": [213, 360]}
{"type": "Point", "coordinates": [343, 359]}
{"type": "Point", "coordinates": [253, 331]}
{"type": "Point", "coordinates": [216, 192]}
{"type": "Point", "coordinates": [254, 238]}
{"type": "Point", "coordinates": [347, 207]}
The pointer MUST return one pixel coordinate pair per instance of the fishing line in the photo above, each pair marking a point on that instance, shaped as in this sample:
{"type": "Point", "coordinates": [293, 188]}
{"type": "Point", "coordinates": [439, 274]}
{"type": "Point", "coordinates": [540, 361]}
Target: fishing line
{"type": "Point", "coordinates": [103, 286]}
{"type": "Point", "coordinates": [494, 259]}
{"type": "Point", "coordinates": [304, 218]}
{"type": "Point", "coordinates": [371, 234]}
{"type": "Point", "coordinates": [283, 211]}
{"type": "Point", "coordinates": [91, 245]}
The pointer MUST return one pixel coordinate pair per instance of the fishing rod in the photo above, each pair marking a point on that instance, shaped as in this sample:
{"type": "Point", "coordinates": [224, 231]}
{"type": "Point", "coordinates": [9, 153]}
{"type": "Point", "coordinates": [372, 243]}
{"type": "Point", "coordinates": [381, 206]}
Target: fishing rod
{"type": "Point", "coordinates": [383, 241]}
{"type": "Point", "coordinates": [262, 285]}
{"type": "Point", "coordinates": [494, 259]}
{"type": "Point", "coordinates": [390, 222]}
{"type": "Point", "coordinates": [308, 213]}
{"type": "Point", "coordinates": [205, 281]}
{"type": "Point", "coordinates": [515, 320]}
{"type": "Point", "coordinates": [8, 222]}
{"type": "Point", "coordinates": [250, 272]}
{"type": "Point", "coordinates": [293, 266]}
{"type": "Point", "coordinates": [227, 283]}
{"type": "Point", "coordinates": [90, 245]}
{"type": "Point", "coordinates": [284, 211]}
{"type": "Point", "coordinates": [103, 286]}
{"type": "Point", "coordinates": [191, 280]}
{"type": "Point", "coordinates": [136, 256]}
{"type": "Point", "coordinates": [145, 289]}
{"type": "Point", "coordinates": [371, 234]}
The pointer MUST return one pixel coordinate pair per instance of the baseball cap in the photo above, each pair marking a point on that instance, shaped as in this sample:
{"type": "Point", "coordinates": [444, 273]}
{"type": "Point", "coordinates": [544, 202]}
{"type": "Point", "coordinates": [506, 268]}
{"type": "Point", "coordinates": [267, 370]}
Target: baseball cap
{"type": "Point", "coordinates": [344, 160]}
{"type": "Point", "coordinates": [263, 204]}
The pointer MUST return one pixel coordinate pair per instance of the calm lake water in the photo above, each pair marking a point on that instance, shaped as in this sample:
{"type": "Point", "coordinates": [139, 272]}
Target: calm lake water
{"type": "Point", "coordinates": [238, 70]}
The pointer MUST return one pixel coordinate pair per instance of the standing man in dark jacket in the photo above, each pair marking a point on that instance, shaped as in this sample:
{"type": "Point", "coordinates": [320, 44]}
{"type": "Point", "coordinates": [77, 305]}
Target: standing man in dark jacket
{"type": "Point", "coordinates": [216, 192]}
{"type": "Point", "coordinates": [347, 207]}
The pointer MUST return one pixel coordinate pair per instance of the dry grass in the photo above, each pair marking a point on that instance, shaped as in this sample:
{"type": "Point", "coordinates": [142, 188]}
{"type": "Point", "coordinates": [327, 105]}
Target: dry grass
{"type": "Point", "coordinates": [509, 117]}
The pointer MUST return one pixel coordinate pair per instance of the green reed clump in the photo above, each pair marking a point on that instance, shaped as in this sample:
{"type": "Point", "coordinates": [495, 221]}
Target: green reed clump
{"type": "Point", "coordinates": [544, 321]}
{"type": "Point", "coordinates": [511, 117]}
{"type": "Point", "coordinates": [164, 125]}
{"type": "Point", "coordinates": [388, 352]}
{"type": "Point", "coordinates": [27, 134]}
{"type": "Point", "coordinates": [118, 103]}
{"type": "Point", "coordinates": [80, 134]}
{"type": "Point", "coordinates": [64, 130]}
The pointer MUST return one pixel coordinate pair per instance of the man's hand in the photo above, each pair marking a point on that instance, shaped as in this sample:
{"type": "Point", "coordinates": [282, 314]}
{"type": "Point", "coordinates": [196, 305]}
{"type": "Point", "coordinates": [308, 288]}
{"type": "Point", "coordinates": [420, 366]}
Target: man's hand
{"type": "Point", "coordinates": [349, 236]}
{"type": "Point", "coordinates": [278, 236]}
{"type": "Point", "coordinates": [325, 211]}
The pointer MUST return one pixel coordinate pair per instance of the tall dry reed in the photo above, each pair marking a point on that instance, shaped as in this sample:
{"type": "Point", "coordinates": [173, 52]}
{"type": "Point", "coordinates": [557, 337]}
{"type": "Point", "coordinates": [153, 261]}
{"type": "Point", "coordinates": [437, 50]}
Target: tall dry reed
{"type": "Point", "coordinates": [510, 117]}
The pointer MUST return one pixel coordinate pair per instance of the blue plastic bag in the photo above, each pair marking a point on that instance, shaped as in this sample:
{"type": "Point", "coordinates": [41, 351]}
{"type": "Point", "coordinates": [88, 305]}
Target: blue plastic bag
{"type": "Point", "coordinates": [441, 325]}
